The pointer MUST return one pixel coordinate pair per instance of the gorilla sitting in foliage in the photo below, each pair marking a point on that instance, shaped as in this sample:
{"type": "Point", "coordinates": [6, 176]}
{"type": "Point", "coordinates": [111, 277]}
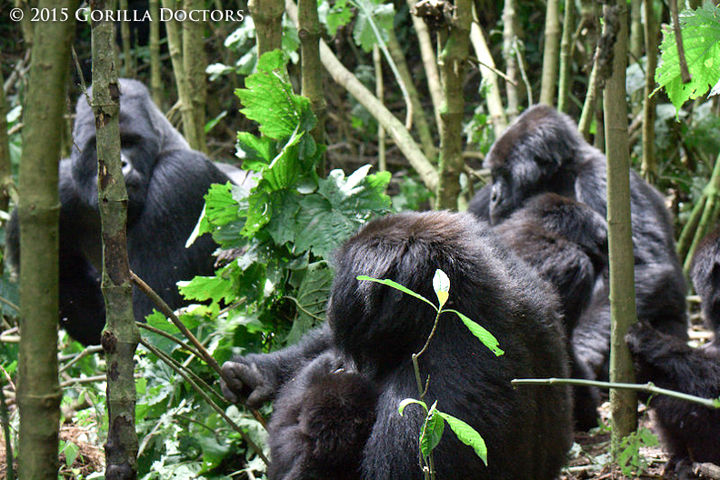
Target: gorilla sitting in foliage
{"type": "Point", "coordinates": [566, 243]}
{"type": "Point", "coordinates": [543, 152]}
{"type": "Point", "coordinates": [690, 432]}
{"type": "Point", "coordinates": [372, 331]}
{"type": "Point", "coordinates": [166, 182]}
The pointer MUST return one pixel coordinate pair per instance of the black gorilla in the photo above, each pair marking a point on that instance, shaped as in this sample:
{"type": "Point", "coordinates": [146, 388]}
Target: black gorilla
{"type": "Point", "coordinates": [322, 419]}
{"type": "Point", "coordinates": [543, 152]}
{"type": "Point", "coordinates": [705, 273]}
{"type": "Point", "coordinates": [690, 432]}
{"type": "Point", "coordinates": [376, 329]}
{"type": "Point", "coordinates": [566, 242]}
{"type": "Point", "coordinates": [165, 181]}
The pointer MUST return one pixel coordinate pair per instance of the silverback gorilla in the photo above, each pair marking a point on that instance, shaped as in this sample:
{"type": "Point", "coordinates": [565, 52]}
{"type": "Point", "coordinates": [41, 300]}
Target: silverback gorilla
{"type": "Point", "coordinates": [371, 333]}
{"type": "Point", "coordinates": [165, 181]}
{"type": "Point", "coordinates": [543, 152]}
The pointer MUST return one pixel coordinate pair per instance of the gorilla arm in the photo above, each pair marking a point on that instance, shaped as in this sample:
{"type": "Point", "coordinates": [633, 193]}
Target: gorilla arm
{"type": "Point", "coordinates": [258, 377]}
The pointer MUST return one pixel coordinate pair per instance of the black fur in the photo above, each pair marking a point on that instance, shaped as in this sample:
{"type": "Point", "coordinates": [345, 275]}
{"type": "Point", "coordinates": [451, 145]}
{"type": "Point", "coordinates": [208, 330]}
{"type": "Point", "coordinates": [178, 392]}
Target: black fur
{"type": "Point", "coordinates": [690, 432]}
{"type": "Point", "coordinates": [566, 242]}
{"type": "Point", "coordinates": [165, 181]}
{"type": "Point", "coordinates": [705, 273]}
{"type": "Point", "coordinates": [377, 329]}
{"type": "Point", "coordinates": [543, 152]}
{"type": "Point", "coordinates": [322, 419]}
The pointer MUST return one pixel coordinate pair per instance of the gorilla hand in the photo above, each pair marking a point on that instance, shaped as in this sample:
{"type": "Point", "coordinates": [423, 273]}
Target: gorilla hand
{"type": "Point", "coordinates": [246, 382]}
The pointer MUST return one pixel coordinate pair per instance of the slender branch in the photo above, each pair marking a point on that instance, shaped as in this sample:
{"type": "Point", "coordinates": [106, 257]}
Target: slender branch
{"type": "Point", "coordinates": [647, 388]}
{"type": "Point", "coordinates": [202, 352]}
{"type": "Point", "coordinates": [172, 364]}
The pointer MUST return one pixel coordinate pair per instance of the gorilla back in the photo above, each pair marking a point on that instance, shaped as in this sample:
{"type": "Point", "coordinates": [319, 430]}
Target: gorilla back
{"type": "Point", "coordinates": [543, 152]}
{"type": "Point", "coordinates": [527, 430]}
{"type": "Point", "coordinates": [166, 182]}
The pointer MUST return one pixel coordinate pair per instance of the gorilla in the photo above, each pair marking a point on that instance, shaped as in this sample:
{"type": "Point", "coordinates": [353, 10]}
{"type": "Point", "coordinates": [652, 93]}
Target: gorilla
{"type": "Point", "coordinates": [543, 152]}
{"type": "Point", "coordinates": [705, 274]}
{"type": "Point", "coordinates": [566, 243]}
{"type": "Point", "coordinates": [322, 419]}
{"type": "Point", "coordinates": [690, 432]}
{"type": "Point", "coordinates": [166, 182]}
{"type": "Point", "coordinates": [373, 330]}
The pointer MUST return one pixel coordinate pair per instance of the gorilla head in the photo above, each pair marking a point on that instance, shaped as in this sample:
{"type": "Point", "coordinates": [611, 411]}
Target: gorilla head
{"type": "Point", "coordinates": [166, 182]}
{"type": "Point", "coordinates": [524, 164]}
{"type": "Point", "coordinates": [145, 135]}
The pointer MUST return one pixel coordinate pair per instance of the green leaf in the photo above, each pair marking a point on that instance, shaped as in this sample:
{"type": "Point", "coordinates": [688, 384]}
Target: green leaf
{"type": "Point", "coordinates": [487, 338]}
{"type": "Point", "coordinates": [285, 205]}
{"type": "Point", "coordinates": [71, 452]}
{"type": "Point", "coordinates": [441, 285]}
{"type": "Point", "coordinates": [432, 431]}
{"type": "Point", "coordinates": [397, 286]}
{"type": "Point", "coordinates": [338, 16]}
{"type": "Point", "coordinates": [311, 300]}
{"type": "Point", "coordinates": [381, 15]}
{"type": "Point", "coordinates": [208, 288]}
{"type": "Point", "coordinates": [268, 98]}
{"type": "Point", "coordinates": [701, 40]}
{"type": "Point", "coordinates": [256, 152]}
{"type": "Point", "coordinates": [467, 435]}
{"type": "Point", "coordinates": [409, 401]}
{"type": "Point", "coordinates": [334, 213]}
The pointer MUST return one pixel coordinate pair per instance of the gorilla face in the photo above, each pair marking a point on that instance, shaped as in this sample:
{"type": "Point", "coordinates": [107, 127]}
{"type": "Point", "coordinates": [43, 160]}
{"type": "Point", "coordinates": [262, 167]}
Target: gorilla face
{"type": "Point", "coordinates": [145, 135]}
{"type": "Point", "coordinates": [536, 154]}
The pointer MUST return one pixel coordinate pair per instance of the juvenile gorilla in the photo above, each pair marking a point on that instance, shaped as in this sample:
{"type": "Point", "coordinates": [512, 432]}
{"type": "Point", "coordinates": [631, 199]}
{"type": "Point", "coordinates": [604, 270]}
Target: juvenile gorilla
{"type": "Point", "coordinates": [322, 419]}
{"type": "Point", "coordinates": [566, 243]}
{"type": "Point", "coordinates": [543, 152]}
{"type": "Point", "coordinates": [165, 181]}
{"type": "Point", "coordinates": [689, 431]}
{"type": "Point", "coordinates": [375, 329]}
{"type": "Point", "coordinates": [705, 273]}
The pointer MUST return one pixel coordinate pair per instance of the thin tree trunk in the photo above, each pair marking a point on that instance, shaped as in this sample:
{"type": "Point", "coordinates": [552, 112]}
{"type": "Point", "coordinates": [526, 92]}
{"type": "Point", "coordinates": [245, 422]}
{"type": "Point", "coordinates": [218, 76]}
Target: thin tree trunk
{"type": "Point", "coordinates": [120, 337]}
{"type": "Point", "coordinates": [39, 394]}
{"type": "Point", "coordinates": [702, 218]}
{"type": "Point", "coordinates": [551, 52]}
{"type": "Point", "coordinates": [309, 31]}
{"type": "Point", "coordinates": [172, 28]}
{"type": "Point", "coordinates": [453, 60]}
{"type": "Point", "coordinates": [427, 52]}
{"type": "Point", "coordinates": [493, 98]}
{"type": "Point", "coordinates": [380, 94]}
{"type": "Point", "coordinates": [511, 65]}
{"type": "Point", "coordinates": [419, 119]}
{"type": "Point", "coordinates": [128, 66]}
{"type": "Point", "coordinates": [649, 162]}
{"type": "Point", "coordinates": [636, 31]}
{"type": "Point", "coordinates": [194, 65]}
{"type": "Point", "coordinates": [393, 126]}
{"type": "Point", "coordinates": [623, 403]}
{"type": "Point", "coordinates": [155, 73]}
{"type": "Point", "coordinates": [565, 82]}
{"type": "Point", "coordinates": [267, 15]}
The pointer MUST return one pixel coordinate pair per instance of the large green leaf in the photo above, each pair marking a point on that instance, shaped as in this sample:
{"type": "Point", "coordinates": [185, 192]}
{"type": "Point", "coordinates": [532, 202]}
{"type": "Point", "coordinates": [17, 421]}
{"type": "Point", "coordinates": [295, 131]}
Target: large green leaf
{"type": "Point", "coordinates": [467, 435]}
{"type": "Point", "coordinates": [268, 99]}
{"type": "Point", "coordinates": [487, 338]}
{"type": "Point", "coordinates": [701, 39]}
{"type": "Point", "coordinates": [339, 207]}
